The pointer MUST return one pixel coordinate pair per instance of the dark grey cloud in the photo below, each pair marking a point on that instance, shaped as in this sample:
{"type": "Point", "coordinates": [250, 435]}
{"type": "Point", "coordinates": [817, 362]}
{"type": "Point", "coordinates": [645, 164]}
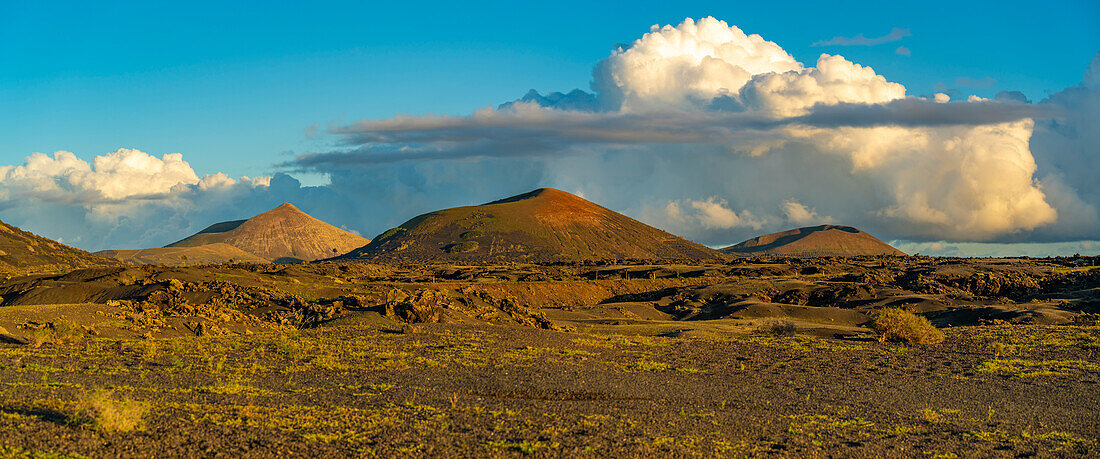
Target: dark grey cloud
{"type": "Point", "coordinates": [1067, 150]}
{"type": "Point", "coordinates": [916, 112]}
{"type": "Point", "coordinates": [1012, 96]}
{"type": "Point", "coordinates": [575, 100]}
{"type": "Point", "coordinates": [531, 132]}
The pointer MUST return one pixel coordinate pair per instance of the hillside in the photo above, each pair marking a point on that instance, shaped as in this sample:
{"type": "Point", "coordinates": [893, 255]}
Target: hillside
{"type": "Point", "coordinates": [283, 234]}
{"type": "Point", "coordinates": [22, 252]}
{"type": "Point", "coordinates": [544, 225]}
{"type": "Point", "coordinates": [814, 241]}
{"type": "Point", "coordinates": [216, 253]}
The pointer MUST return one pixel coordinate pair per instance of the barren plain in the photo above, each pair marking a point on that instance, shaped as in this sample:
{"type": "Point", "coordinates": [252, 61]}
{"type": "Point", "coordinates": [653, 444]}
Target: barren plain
{"type": "Point", "coordinates": [759, 357]}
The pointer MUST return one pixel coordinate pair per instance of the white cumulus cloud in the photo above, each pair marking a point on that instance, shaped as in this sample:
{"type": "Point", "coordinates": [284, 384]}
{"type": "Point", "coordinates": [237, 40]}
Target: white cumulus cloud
{"type": "Point", "coordinates": [799, 214]}
{"type": "Point", "coordinates": [697, 109]}
{"type": "Point", "coordinates": [704, 98]}
{"type": "Point", "coordinates": [834, 80]}
{"type": "Point", "coordinates": [686, 65]}
{"type": "Point", "coordinates": [710, 213]}
{"type": "Point", "coordinates": [124, 198]}
{"type": "Point", "coordinates": [122, 174]}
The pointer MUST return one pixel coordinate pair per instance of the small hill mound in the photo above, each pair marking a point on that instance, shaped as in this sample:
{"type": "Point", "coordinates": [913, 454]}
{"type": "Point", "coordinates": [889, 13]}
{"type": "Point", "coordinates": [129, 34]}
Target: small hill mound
{"type": "Point", "coordinates": [209, 254]}
{"type": "Point", "coordinates": [545, 225]}
{"type": "Point", "coordinates": [814, 241]}
{"type": "Point", "coordinates": [283, 235]}
{"type": "Point", "coordinates": [22, 252]}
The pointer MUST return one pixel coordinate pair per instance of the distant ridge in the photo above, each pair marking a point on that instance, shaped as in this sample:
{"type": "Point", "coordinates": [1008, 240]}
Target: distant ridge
{"type": "Point", "coordinates": [814, 241]}
{"type": "Point", "coordinates": [544, 225]}
{"type": "Point", "coordinates": [22, 252]}
{"type": "Point", "coordinates": [283, 235]}
{"type": "Point", "coordinates": [209, 254]}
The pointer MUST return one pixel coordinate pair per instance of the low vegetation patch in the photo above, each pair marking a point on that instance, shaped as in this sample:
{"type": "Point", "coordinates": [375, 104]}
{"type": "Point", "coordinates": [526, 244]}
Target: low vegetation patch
{"type": "Point", "coordinates": [390, 233]}
{"type": "Point", "coordinates": [645, 365]}
{"type": "Point", "coordinates": [56, 332]}
{"type": "Point", "coordinates": [777, 328]}
{"type": "Point", "coordinates": [1002, 350]}
{"type": "Point", "coordinates": [462, 247]}
{"type": "Point", "coordinates": [101, 411]}
{"type": "Point", "coordinates": [472, 234]}
{"type": "Point", "coordinates": [1030, 368]}
{"type": "Point", "coordinates": [901, 326]}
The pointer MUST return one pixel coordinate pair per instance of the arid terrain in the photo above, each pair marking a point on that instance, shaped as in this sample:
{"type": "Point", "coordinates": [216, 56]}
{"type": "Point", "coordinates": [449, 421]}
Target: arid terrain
{"type": "Point", "coordinates": [755, 356]}
{"type": "Point", "coordinates": [569, 230]}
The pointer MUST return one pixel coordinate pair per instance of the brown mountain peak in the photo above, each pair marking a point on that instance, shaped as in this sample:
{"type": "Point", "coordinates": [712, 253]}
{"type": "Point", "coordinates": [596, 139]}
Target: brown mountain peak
{"type": "Point", "coordinates": [283, 213]}
{"type": "Point", "coordinates": [286, 207]}
{"type": "Point", "coordinates": [821, 240]}
{"type": "Point", "coordinates": [541, 194]}
{"type": "Point", "coordinates": [283, 234]}
{"type": "Point", "coordinates": [541, 225]}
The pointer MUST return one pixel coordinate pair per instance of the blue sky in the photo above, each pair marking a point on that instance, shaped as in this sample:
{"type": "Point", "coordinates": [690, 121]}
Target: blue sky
{"type": "Point", "coordinates": [232, 85]}
{"type": "Point", "coordinates": [253, 89]}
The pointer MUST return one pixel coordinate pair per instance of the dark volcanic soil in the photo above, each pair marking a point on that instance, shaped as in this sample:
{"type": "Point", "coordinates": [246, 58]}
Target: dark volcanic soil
{"type": "Point", "coordinates": [488, 390]}
{"type": "Point", "coordinates": [606, 359]}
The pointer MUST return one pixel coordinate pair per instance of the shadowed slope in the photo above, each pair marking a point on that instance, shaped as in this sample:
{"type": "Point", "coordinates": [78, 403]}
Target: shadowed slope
{"type": "Point", "coordinates": [814, 241]}
{"type": "Point", "coordinates": [283, 234]}
{"type": "Point", "coordinates": [22, 252]}
{"type": "Point", "coordinates": [215, 253]}
{"type": "Point", "coordinates": [544, 225]}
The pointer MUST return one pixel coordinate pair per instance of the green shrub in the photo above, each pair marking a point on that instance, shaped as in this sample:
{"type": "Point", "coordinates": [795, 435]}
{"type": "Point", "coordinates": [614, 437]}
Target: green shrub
{"type": "Point", "coordinates": [901, 326]}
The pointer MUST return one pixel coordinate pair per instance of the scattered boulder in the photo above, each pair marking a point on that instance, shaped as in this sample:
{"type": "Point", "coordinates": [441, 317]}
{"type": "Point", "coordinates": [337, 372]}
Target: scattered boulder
{"type": "Point", "coordinates": [421, 306]}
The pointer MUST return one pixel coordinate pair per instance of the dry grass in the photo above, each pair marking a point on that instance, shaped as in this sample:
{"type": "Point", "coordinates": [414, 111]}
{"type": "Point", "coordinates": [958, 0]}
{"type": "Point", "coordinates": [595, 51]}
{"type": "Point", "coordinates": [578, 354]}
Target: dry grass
{"type": "Point", "coordinates": [56, 332]}
{"type": "Point", "coordinates": [101, 411]}
{"type": "Point", "coordinates": [1003, 350]}
{"type": "Point", "coordinates": [40, 337]}
{"type": "Point", "coordinates": [777, 328]}
{"type": "Point", "coordinates": [901, 326]}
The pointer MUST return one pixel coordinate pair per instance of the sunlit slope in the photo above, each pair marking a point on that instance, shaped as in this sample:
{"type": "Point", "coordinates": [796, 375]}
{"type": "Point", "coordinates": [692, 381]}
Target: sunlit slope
{"type": "Point", "coordinates": [283, 234]}
{"type": "Point", "coordinates": [544, 225]}
{"type": "Point", "coordinates": [22, 252]}
{"type": "Point", "coordinates": [824, 240]}
{"type": "Point", "coordinates": [216, 253]}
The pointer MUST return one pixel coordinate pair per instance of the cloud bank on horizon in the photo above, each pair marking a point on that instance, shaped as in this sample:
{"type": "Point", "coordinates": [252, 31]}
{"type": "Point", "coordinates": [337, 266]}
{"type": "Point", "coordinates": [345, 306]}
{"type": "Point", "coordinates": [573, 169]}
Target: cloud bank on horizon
{"type": "Point", "coordinates": [698, 128]}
